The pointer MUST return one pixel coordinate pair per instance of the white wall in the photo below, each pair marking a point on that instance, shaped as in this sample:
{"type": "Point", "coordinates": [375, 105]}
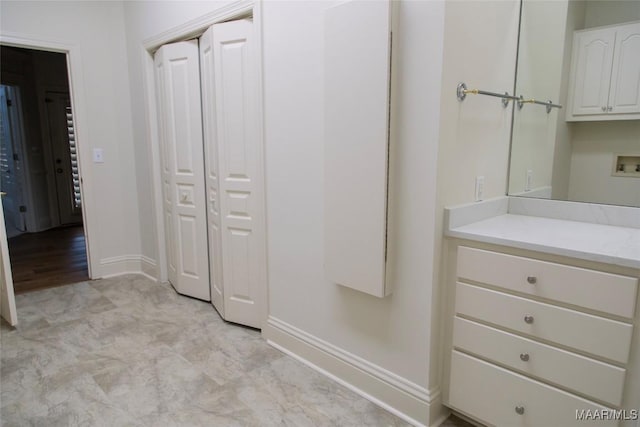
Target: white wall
{"type": "Point", "coordinates": [96, 30]}
{"type": "Point", "coordinates": [564, 129]}
{"type": "Point", "coordinates": [394, 332]}
{"type": "Point", "coordinates": [592, 162]}
{"type": "Point", "coordinates": [480, 49]}
{"type": "Point", "coordinates": [608, 12]}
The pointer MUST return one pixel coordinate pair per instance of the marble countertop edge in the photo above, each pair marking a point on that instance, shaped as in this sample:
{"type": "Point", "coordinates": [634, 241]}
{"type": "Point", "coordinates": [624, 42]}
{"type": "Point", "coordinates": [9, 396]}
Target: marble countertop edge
{"type": "Point", "coordinates": [592, 242]}
{"type": "Point", "coordinates": [554, 250]}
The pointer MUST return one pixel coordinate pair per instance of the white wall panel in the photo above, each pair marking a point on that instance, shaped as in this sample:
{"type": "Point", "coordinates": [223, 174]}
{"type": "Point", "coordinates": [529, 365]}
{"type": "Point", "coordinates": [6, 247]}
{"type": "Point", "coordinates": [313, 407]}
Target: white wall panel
{"type": "Point", "coordinates": [357, 65]}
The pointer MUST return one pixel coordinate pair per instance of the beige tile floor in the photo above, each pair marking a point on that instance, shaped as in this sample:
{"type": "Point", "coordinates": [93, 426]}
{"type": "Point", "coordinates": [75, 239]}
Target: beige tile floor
{"type": "Point", "coordinates": [130, 352]}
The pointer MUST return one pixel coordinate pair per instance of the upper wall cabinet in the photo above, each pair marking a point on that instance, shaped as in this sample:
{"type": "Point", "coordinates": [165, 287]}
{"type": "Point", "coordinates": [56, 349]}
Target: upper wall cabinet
{"type": "Point", "coordinates": [605, 74]}
{"type": "Point", "coordinates": [357, 71]}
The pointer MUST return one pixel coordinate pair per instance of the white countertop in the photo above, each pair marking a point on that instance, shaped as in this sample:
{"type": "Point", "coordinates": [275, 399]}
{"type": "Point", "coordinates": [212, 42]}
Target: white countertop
{"type": "Point", "coordinates": [594, 242]}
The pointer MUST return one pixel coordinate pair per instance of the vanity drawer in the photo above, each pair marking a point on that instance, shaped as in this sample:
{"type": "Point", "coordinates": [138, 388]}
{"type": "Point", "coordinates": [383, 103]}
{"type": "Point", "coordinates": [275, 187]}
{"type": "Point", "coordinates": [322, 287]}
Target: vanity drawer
{"type": "Point", "coordinates": [578, 373]}
{"type": "Point", "coordinates": [492, 395]}
{"type": "Point", "coordinates": [605, 292]}
{"type": "Point", "coordinates": [592, 334]}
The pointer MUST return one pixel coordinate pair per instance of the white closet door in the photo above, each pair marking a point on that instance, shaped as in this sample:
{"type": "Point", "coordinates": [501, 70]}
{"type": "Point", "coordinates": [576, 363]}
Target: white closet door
{"type": "Point", "coordinates": [212, 170]}
{"type": "Point", "coordinates": [236, 133]}
{"type": "Point", "coordinates": [179, 115]}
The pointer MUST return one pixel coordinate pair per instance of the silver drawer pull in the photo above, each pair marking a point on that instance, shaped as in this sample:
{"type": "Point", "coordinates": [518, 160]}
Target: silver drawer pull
{"type": "Point", "coordinates": [519, 410]}
{"type": "Point", "coordinates": [532, 280]}
{"type": "Point", "coordinates": [528, 319]}
{"type": "Point", "coordinates": [524, 357]}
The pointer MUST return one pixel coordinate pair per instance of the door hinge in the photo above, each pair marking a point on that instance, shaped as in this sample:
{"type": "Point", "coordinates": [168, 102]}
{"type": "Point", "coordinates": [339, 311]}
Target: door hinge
{"type": "Point", "coordinates": [23, 208]}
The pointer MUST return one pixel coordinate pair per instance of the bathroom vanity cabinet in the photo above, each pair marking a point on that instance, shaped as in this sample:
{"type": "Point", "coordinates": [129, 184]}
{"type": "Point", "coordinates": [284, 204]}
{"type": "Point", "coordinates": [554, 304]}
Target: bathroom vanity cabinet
{"type": "Point", "coordinates": [535, 338]}
{"type": "Point", "coordinates": [535, 341]}
{"type": "Point", "coordinates": [605, 74]}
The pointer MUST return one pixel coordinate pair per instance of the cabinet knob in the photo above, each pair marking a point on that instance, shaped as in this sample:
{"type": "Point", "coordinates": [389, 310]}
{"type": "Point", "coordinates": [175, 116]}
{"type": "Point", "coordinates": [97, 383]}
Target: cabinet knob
{"type": "Point", "coordinates": [609, 108]}
{"type": "Point", "coordinates": [604, 108]}
{"type": "Point", "coordinates": [519, 410]}
{"type": "Point", "coordinates": [524, 357]}
{"type": "Point", "coordinates": [528, 319]}
{"type": "Point", "coordinates": [532, 280]}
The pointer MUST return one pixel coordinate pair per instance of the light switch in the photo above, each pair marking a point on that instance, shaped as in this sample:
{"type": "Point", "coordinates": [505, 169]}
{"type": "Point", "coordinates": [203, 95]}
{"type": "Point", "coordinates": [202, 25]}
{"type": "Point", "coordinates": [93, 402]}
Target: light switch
{"type": "Point", "coordinates": [98, 155]}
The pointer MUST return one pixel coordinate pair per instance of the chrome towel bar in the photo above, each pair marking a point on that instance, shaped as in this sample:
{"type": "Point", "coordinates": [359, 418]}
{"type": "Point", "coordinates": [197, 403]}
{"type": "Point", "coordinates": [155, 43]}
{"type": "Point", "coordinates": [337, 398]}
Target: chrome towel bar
{"type": "Point", "coordinates": [462, 92]}
{"type": "Point", "coordinates": [548, 104]}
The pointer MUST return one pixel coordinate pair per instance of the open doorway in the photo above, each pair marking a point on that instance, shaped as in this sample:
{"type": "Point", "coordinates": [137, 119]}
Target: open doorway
{"type": "Point", "coordinates": [39, 171]}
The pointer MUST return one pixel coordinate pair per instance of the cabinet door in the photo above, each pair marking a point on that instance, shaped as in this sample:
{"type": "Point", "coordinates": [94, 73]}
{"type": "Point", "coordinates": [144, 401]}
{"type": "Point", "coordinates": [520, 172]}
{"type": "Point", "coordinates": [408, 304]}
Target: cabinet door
{"type": "Point", "coordinates": [593, 71]}
{"type": "Point", "coordinates": [357, 75]}
{"type": "Point", "coordinates": [624, 96]}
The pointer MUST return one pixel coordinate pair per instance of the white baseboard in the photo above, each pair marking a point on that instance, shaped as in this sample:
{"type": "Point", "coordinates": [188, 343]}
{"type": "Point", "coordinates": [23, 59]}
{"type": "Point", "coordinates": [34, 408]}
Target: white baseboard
{"type": "Point", "coordinates": [403, 398]}
{"type": "Point", "coordinates": [149, 268]}
{"type": "Point", "coordinates": [127, 264]}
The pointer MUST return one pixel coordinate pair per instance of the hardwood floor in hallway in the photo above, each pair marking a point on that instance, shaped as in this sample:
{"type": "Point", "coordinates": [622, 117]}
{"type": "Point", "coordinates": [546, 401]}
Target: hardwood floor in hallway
{"type": "Point", "coordinates": [48, 259]}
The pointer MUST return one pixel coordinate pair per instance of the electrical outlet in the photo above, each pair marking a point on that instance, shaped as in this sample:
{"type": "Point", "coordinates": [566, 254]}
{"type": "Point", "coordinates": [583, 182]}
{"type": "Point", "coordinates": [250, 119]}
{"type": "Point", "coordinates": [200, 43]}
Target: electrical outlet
{"type": "Point", "coordinates": [98, 155]}
{"type": "Point", "coordinates": [528, 181]}
{"type": "Point", "coordinates": [479, 188]}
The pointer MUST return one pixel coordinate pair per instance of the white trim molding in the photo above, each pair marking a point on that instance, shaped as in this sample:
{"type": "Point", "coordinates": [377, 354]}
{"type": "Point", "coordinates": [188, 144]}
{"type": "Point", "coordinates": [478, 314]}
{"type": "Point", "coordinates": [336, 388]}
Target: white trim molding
{"type": "Point", "coordinates": [148, 268]}
{"type": "Point", "coordinates": [128, 264]}
{"type": "Point", "coordinates": [197, 26]}
{"type": "Point", "coordinates": [405, 399]}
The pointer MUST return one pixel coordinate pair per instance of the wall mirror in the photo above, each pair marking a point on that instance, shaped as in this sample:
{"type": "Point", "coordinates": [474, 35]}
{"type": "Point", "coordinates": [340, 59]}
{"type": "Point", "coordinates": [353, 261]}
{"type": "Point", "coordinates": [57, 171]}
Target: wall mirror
{"type": "Point", "coordinates": [586, 151]}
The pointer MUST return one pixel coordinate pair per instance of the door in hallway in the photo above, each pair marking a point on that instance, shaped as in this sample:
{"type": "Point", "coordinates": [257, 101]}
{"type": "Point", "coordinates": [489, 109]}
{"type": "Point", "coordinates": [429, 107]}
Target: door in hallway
{"type": "Point", "coordinates": [63, 148]}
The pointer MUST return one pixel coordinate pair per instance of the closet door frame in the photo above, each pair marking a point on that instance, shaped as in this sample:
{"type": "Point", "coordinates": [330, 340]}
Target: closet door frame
{"type": "Point", "coordinates": [237, 10]}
